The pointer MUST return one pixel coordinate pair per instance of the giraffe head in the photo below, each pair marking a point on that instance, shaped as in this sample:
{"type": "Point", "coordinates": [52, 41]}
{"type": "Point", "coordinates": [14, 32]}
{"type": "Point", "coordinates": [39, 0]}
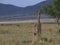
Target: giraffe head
{"type": "Point", "coordinates": [37, 13]}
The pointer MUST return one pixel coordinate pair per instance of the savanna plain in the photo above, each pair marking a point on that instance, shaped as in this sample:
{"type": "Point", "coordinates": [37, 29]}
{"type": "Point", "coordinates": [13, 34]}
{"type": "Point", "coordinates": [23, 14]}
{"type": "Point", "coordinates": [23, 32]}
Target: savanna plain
{"type": "Point", "coordinates": [22, 34]}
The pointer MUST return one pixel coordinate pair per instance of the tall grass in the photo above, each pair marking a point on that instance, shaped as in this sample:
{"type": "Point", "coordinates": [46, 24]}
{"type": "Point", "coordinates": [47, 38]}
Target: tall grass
{"type": "Point", "coordinates": [22, 34]}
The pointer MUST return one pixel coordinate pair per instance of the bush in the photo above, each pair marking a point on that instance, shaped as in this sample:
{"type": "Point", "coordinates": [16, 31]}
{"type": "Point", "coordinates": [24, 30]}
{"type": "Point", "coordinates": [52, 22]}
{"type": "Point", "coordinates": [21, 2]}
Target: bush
{"type": "Point", "coordinates": [50, 40]}
{"type": "Point", "coordinates": [45, 39]}
{"type": "Point", "coordinates": [4, 32]}
{"type": "Point", "coordinates": [29, 41]}
{"type": "Point", "coordinates": [59, 31]}
{"type": "Point", "coordinates": [17, 25]}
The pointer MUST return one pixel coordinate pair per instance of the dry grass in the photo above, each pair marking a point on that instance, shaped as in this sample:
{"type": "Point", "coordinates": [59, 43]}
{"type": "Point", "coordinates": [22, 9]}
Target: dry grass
{"type": "Point", "coordinates": [21, 34]}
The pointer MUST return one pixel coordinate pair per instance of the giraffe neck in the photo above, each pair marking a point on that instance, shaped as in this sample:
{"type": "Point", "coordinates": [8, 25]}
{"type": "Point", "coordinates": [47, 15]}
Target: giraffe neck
{"type": "Point", "coordinates": [39, 19]}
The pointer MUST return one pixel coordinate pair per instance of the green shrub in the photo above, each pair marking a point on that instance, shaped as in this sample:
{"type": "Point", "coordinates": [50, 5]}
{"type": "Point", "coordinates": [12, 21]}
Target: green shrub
{"type": "Point", "coordinates": [4, 32]}
{"type": "Point", "coordinates": [45, 39]}
{"type": "Point", "coordinates": [17, 25]}
{"type": "Point", "coordinates": [27, 41]}
{"type": "Point", "coordinates": [50, 40]}
{"type": "Point", "coordinates": [59, 31]}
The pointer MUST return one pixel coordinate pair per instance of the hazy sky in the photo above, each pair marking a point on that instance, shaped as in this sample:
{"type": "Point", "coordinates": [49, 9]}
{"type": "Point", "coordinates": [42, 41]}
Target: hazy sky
{"type": "Point", "coordinates": [21, 3]}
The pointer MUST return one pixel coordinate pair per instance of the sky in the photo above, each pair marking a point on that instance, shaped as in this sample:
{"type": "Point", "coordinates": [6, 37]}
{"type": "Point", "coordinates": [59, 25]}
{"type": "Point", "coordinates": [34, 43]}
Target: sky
{"type": "Point", "coordinates": [21, 3]}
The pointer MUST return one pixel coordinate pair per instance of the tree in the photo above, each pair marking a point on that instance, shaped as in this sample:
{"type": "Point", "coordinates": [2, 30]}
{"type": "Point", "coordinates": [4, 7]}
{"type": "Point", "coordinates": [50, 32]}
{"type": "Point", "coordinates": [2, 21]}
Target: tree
{"type": "Point", "coordinates": [53, 10]}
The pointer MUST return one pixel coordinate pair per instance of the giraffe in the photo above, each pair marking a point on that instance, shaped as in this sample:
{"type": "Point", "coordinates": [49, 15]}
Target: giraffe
{"type": "Point", "coordinates": [37, 29]}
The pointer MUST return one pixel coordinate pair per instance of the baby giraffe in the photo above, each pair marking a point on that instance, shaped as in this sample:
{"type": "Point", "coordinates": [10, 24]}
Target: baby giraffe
{"type": "Point", "coordinates": [37, 30]}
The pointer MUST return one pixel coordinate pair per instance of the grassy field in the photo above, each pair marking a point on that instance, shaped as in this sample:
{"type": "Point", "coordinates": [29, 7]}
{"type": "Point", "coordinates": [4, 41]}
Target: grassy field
{"type": "Point", "coordinates": [22, 34]}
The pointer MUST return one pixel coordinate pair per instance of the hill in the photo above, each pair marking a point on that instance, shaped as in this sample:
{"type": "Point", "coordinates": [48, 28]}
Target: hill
{"type": "Point", "coordinates": [7, 9]}
{"type": "Point", "coordinates": [10, 12]}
